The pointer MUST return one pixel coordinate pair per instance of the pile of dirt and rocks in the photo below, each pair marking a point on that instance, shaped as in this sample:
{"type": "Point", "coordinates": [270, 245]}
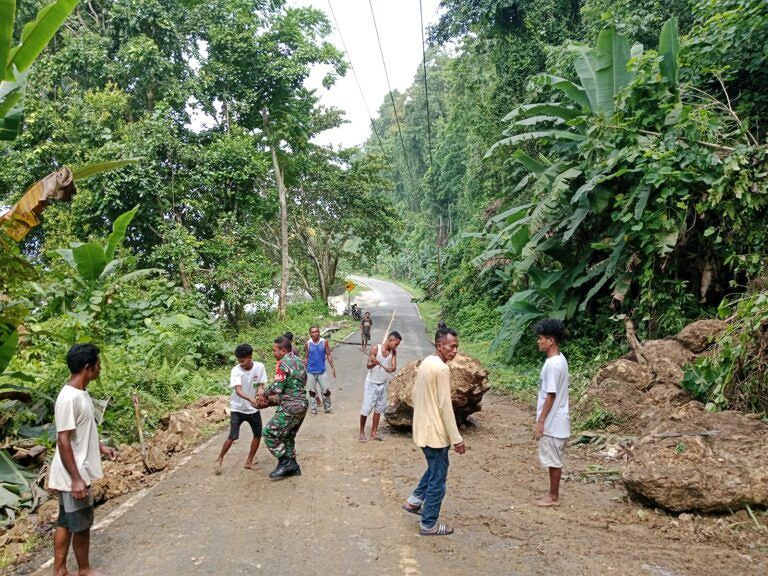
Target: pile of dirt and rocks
{"type": "Point", "coordinates": [469, 381]}
{"type": "Point", "coordinates": [177, 432]}
{"type": "Point", "coordinates": [681, 457]}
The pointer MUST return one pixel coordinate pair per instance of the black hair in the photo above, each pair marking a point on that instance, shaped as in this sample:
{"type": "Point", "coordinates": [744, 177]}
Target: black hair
{"type": "Point", "coordinates": [284, 343]}
{"type": "Point", "coordinates": [552, 328]}
{"type": "Point", "coordinates": [313, 327]}
{"type": "Point", "coordinates": [289, 335]}
{"type": "Point", "coordinates": [80, 356]}
{"type": "Point", "coordinates": [243, 351]}
{"type": "Point", "coordinates": [443, 332]}
{"type": "Point", "coordinates": [395, 334]}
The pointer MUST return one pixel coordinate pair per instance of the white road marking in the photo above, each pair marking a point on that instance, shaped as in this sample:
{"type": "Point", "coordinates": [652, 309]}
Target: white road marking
{"type": "Point", "coordinates": [118, 512]}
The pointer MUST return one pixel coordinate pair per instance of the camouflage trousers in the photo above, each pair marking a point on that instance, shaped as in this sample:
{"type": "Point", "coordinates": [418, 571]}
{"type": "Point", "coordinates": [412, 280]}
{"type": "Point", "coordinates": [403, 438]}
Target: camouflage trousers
{"type": "Point", "coordinates": [280, 432]}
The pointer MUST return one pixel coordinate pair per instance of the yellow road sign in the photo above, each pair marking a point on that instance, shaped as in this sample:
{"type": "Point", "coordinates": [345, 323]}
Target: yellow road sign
{"type": "Point", "coordinates": [349, 285]}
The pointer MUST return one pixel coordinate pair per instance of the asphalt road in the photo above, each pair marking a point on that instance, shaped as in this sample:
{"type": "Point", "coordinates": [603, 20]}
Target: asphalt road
{"type": "Point", "coordinates": [342, 516]}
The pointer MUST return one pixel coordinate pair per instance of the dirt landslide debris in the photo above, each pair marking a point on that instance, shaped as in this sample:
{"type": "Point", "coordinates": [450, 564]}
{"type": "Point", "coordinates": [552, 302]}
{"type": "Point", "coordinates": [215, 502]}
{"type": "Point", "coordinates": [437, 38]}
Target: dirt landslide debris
{"type": "Point", "coordinates": [177, 432]}
{"type": "Point", "coordinates": [469, 381]}
{"type": "Point", "coordinates": [681, 458]}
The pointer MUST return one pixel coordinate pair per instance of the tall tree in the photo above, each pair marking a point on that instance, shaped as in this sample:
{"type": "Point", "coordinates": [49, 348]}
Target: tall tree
{"type": "Point", "coordinates": [259, 55]}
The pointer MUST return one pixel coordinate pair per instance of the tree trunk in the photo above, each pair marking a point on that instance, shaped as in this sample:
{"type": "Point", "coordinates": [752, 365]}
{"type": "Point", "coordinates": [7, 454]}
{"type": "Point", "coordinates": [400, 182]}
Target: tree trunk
{"type": "Point", "coordinates": [282, 194]}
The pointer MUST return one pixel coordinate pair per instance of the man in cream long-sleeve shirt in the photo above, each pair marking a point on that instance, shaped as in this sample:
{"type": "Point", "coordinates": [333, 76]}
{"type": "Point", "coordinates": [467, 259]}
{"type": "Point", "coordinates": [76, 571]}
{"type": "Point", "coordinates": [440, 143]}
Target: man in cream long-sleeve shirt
{"type": "Point", "coordinates": [434, 431]}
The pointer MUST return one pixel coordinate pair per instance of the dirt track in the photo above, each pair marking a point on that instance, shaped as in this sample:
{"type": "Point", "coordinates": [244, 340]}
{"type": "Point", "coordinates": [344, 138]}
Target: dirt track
{"type": "Point", "coordinates": [343, 515]}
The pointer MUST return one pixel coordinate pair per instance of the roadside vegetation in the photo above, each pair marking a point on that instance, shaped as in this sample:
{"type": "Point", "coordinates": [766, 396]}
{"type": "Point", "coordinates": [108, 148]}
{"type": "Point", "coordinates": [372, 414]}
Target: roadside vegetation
{"type": "Point", "coordinates": [589, 161]}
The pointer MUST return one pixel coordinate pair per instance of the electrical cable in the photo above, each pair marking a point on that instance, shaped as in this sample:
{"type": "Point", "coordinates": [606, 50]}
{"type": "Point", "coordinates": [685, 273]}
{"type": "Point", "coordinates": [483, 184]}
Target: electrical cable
{"type": "Point", "coordinates": [359, 87]}
{"type": "Point", "coordinates": [392, 98]}
{"type": "Point", "coordinates": [426, 91]}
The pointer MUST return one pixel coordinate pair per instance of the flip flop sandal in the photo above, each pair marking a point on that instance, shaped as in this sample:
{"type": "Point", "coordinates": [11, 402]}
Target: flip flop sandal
{"type": "Point", "coordinates": [437, 530]}
{"type": "Point", "coordinates": [416, 510]}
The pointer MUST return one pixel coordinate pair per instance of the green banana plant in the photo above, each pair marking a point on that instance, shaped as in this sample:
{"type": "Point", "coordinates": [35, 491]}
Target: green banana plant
{"type": "Point", "coordinates": [93, 261]}
{"type": "Point", "coordinates": [15, 61]}
{"type": "Point", "coordinates": [530, 237]}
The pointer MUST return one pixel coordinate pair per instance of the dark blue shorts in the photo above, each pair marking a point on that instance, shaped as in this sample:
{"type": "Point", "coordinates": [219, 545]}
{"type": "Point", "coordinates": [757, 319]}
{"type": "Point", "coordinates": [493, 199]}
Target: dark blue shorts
{"type": "Point", "coordinates": [236, 419]}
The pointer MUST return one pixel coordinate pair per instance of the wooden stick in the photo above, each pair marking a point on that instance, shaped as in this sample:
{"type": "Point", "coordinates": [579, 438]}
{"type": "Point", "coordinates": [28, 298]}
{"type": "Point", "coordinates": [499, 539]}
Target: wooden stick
{"type": "Point", "coordinates": [680, 434]}
{"type": "Point", "coordinates": [634, 343]}
{"type": "Point", "coordinates": [140, 428]}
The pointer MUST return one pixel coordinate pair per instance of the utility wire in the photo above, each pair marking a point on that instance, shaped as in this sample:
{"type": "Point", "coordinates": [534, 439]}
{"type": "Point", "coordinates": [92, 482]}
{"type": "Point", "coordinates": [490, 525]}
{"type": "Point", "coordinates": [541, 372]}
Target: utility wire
{"type": "Point", "coordinates": [359, 87]}
{"type": "Point", "coordinates": [392, 98]}
{"type": "Point", "coordinates": [426, 91]}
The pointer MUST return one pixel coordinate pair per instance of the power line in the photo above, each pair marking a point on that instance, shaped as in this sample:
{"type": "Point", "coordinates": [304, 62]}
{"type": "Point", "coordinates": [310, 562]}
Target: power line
{"type": "Point", "coordinates": [392, 98]}
{"type": "Point", "coordinates": [359, 87]}
{"type": "Point", "coordinates": [426, 91]}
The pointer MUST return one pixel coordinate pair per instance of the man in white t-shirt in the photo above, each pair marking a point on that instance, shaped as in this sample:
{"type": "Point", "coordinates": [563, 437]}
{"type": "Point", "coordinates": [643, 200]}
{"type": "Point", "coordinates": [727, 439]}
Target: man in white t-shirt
{"type": "Point", "coordinates": [243, 405]}
{"type": "Point", "coordinates": [553, 421]}
{"type": "Point", "coordinates": [77, 460]}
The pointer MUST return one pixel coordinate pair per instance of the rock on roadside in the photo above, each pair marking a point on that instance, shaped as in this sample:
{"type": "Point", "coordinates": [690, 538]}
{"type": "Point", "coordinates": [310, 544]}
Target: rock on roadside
{"type": "Point", "coordinates": [694, 460]}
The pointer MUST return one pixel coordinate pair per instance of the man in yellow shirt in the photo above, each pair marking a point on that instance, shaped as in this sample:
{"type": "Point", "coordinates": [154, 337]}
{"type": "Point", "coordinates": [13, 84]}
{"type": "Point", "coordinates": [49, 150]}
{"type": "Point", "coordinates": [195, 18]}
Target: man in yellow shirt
{"type": "Point", "coordinates": [434, 431]}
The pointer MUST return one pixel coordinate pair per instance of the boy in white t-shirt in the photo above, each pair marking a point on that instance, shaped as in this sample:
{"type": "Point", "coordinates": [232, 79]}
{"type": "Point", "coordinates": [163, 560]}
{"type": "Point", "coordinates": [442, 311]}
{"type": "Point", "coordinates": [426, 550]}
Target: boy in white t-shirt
{"type": "Point", "coordinates": [243, 404]}
{"type": "Point", "coordinates": [553, 421]}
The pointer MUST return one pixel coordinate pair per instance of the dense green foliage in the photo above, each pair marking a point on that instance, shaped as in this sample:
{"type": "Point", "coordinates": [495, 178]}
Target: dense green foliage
{"type": "Point", "coordinates": [589, 159]}
{"type": "Point", "coordinates": [168, 263]}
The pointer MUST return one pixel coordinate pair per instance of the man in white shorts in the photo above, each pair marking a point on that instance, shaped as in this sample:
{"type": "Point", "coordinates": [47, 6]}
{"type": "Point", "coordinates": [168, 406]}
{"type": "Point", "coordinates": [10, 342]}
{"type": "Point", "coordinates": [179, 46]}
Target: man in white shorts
{"type": "Point", "coordinates": [382, 363]}
{"type": "Point", "coordinates": [553, 421]}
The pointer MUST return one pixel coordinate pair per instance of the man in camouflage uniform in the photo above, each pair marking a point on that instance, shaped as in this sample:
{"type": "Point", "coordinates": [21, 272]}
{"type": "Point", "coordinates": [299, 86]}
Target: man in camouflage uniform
{"type": "Point", "coordinates": [290, 387]}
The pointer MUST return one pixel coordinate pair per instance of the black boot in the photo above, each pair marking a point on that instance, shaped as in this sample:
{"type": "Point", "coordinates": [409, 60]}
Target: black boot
{"type": "Point", "coordinates": [293, 468]}
{"type": "Point", "coordinates": [282, 468]}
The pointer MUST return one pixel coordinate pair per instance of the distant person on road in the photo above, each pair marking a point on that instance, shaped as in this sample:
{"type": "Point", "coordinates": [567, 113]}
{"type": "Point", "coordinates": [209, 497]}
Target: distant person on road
{"type": "Point", "coordinates": [316, 352]}
{"type": "Point", "coordinates": [366, 325]}
{"type": "Point", "coordinates": [77, 460]}
{"type": "Point", "coordinates": [290, 388]}
{"type": "Point", "coordinates": [382, 364]}
{"type": "Point", "coordinates": [553, 422]}
{"type": "Point", "coordinates": [434, 431]}
{"type": "Point", "coordinates": [245, 379]}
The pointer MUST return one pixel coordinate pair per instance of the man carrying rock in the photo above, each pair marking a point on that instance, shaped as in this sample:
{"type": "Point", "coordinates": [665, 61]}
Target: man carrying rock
{"type": "Point", "coordinates": [434, 431]}
{"type": "Point", "coordinates": [77, 461]}
{"type": "Point", "coordinates": [316, 352]}
{"type": "Point", "coordinates": [290, 388]}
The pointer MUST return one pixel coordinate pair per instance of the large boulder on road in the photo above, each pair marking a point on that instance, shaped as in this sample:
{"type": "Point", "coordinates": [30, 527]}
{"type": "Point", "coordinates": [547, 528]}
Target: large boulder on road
{"type": "Point", "coordinates": [469, 381]}
{"type": "Point", "coordinates": [694, 460]}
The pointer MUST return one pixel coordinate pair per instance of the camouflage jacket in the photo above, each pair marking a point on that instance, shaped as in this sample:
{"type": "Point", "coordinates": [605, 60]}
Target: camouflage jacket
{"type": "Point", "coordinates": [290, 384]}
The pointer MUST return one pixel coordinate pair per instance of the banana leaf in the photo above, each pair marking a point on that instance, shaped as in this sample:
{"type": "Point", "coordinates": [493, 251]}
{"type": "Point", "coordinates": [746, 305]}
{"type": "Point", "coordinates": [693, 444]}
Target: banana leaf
{"type": "Point", "coordinates": [11, 473]}
{"type": "Point", "coordinates": [37, 33]}
{"type": "Point", "coordinates": [7, 17]}
{"type": "Point", "coordinates": [8, 346]}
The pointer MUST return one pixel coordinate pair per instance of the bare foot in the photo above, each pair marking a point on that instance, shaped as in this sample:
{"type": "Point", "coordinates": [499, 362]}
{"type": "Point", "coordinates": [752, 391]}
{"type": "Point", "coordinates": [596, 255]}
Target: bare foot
{"type": "Point", "coordinates": [362, 438]}
{"type": "Point", "coordinates": [249, 466]}
{"type": "Point", "coordinates": [90, 572]}
{"type": "Point", "coordinates": [547, 501]}
{"type": "Point", "coordinates": [217, 468]}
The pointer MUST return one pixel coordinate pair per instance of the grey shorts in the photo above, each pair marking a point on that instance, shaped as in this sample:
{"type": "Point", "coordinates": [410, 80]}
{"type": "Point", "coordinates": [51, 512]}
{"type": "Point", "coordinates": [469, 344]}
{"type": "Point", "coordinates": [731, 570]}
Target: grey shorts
{"type": "Point", "coordinates": [75, 515]}
{"type": "Point", "coordinates": [552, 451]}
{"type": "Point", "coordinates": [374, 398]}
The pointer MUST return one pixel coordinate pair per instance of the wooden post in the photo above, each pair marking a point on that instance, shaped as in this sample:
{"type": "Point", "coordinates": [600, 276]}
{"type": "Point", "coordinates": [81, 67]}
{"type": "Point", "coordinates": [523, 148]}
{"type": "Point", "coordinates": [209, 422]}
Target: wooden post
{"type": "Point", "coordinates": [140, 428]}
